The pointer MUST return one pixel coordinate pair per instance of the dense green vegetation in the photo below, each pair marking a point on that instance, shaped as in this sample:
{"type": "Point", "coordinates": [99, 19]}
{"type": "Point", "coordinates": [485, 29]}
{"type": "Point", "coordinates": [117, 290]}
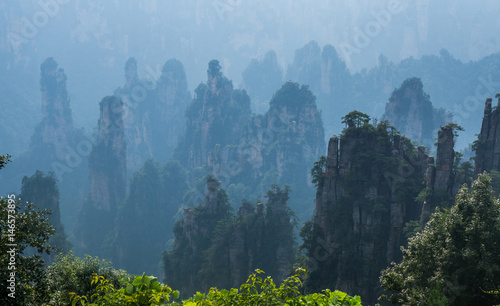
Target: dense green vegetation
{"type": "Point", "coordinates": [71, 275]}
{"type": "Point", "coordinates": [214, 247]}
{"type": "Point", "coordinates": [143, 225]}
{"type": "Point", "coordinates": [146, 290]}
{"type": "Point", "coordinates": [359, 209]}
{"type": "Point", "coordinates": [452, 260]}
{"type": "Point", "coordinates": [249, 152]}
{"type": "Point", "coordinates": [22, 226]}
{"type": "Point", "coordinates": [91, 281]}
{"type": "Point", "coordinates": [457, 252]}
{"type": "Point", "coordinates": [42, 189]}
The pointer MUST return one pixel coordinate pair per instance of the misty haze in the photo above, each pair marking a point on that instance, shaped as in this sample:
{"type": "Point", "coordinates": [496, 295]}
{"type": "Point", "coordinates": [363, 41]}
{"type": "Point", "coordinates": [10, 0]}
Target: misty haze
{"type": "Point", "coordinates": [234, 152]}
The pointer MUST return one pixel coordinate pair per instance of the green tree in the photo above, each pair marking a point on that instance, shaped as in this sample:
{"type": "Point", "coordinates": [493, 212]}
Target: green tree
{"type": "Point", "coordinates": [495, 181]}
{"type": "Point", "coordinates": [455, 128]}
{"type": "Point", "coordinates": [42, 189]}
{"type": "Point", "coordinates": [214, 247]}
{"type": "Point", "coordinates": [355, 118]}
{"type": "Point", "coordinates": [22, 226]}
{"type": "Point", "coordinates": [72, 274]}
{"type": "Point", "coordinates": [318, 171]}
{"type": "Point", "coordinates": [458, 250]}
{"type": "Point", "coordinates": [146, 290]}
{"type": "Point", "coordinates": [4, 159]}
{"type": "Point", "coordinates": [135, 291]}
{"type": "Point", "coordinates": [464, 170]}
{"type": "Point", "coordinates": [214, 68]}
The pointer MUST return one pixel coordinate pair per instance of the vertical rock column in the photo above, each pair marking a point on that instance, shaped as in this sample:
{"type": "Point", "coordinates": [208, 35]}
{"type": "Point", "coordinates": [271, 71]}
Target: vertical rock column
{"type": "Point", "coordinates": [56, 128]}
{"type": "Point", "coordinates": [440, 177]}
{"type": "Point", "coordinates": [107, 161]}
{"type": "Point", "coordinates": [488, 143]}
{"type": "Point", "coordinates": [107, 173]}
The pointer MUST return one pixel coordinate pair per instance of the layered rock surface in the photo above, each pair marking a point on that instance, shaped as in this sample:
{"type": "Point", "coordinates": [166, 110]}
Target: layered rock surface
{"type": "Point", "coordinates": [410, 110]}
{"type": "Point", "coordinates": [107, 176]}
{"type": "Point", "coordinates": [153, 111]}
{"type": "Point", "coordinates": [249, 152]}
{"type": "Point", "coordinates": [215, 248]}
{"type": "Point", "coordinates": [366, 195]}
{"type": "Point", "coordinates": [487, 145]}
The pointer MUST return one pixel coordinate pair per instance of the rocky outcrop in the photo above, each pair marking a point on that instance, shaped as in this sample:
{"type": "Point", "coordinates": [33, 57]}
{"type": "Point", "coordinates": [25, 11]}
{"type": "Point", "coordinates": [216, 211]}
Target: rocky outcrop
{"type": "Point", "coordinates": [440, 177]}
{"type": "Point", "coordinates": [487, 145]}
{"type": "Point", "coordinates": [369, 189]}
{"type": "Point", "coordinates": [55, 146]}
{"type": "Point", "coordinates": [328, 78]}
{"type": "Point", "coordinates": [153, 111]}
{"type": "Point", "coordinates": [56, 127]}
{"type": "Point", "coordinates": [365, 196]}
{"type": "Point", "coordinates": [107, 160]}
{"type": "Point", "coordinates": [296, 123]}
{"type": "Point", "coordinates": [323, 70]}
{"type": "Point", "coordinates": [306, 68]}
{"type": "Point", "coordinates": [42, 190]}
{"type": "Point", "coordinates": [261, 79]}
{"type": "Point", "coordinates": [249, 153]}
{"type": "Point", "coordinates": [282, 144]}
{"type": "Point", "coordinates": [410, 110]}
{"type": "Point", "coordinates": [215, 248]}
{"type": "Point", "coordinates": [107, 176]}
{"type": "Point", "coordinates": [193, 236]}
{"type": "Point", "coordinates": [173, 98]}
{"type": "Point", "coordinates": [217, 116]}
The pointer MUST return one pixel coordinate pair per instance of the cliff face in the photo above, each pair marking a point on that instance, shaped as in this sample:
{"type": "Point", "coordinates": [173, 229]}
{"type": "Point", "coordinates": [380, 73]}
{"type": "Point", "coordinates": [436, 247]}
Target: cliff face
{"type": "Point", "coordinates": [107, 176]}
{"type": "Point", "coordinates": [366, 193]}
{"type": "Point", "coordinates": [107, 160]}
{"type": "Point", "coordinates": [193, 236]}
{"type": "Point", "coordinates": [277, 147]}
{"type": "Point", "coordinates": [261, 79]}
{"type": "Point", "coordinates": [215, 248]}
{"type": "Point", "coordinates": [42, 190]}
{"type": "Point", "coordinates": [217, 116]}
{"type": "Point", "coordinates": [410, 110]}
{"type": "Point", "coordinates": [440, 178]}
{"type": "Point", "coordinates": [329, 80]}
{"type": "Point", "coordinates": [154, 197]}
{"type": "Point", "coordinates": [55, 146]}
{"type": "Point", "coordinates": [487, 145]}
{"type": "Point", "coordinates": [56, 128]}
{"type": "Point", "coordinates": [153, 111]}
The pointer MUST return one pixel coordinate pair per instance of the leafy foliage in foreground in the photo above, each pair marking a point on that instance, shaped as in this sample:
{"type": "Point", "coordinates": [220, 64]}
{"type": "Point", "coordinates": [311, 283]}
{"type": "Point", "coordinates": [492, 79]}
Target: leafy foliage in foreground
{"type": "Point", "coordinates": [141, 290]}
{"type": "Point", "coordinates": [263, 291]}
{"type": "Point", "coordinates": [457, 252]}
{"type": "Point", "coordinates": [146, 290]}
{"type": "Point", "coordinates": [215, 248]}
{"type": "Point", "coordinates": [23, 227]}
{"type": "Point", "coordinates": [72, 274]}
